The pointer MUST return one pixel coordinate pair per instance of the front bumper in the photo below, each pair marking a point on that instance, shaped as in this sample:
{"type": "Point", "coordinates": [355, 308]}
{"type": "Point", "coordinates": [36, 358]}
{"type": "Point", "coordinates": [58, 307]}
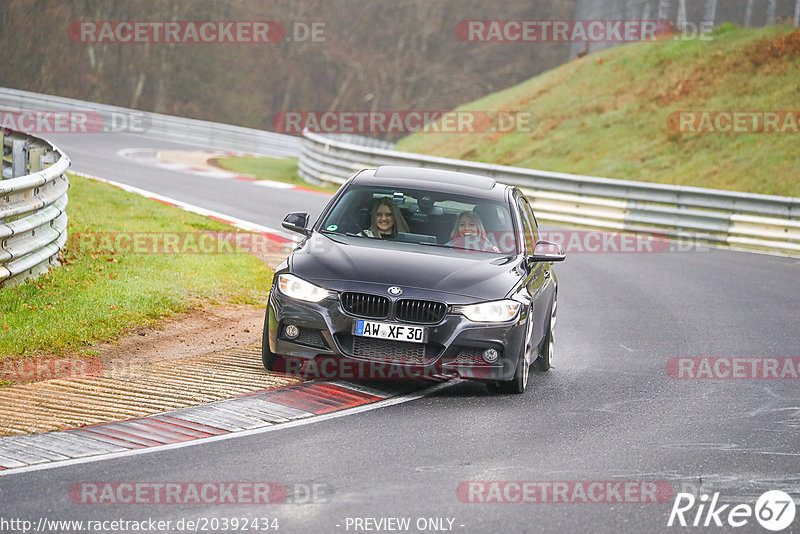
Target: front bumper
{"type": "Point", "coordinates": [453, 348]}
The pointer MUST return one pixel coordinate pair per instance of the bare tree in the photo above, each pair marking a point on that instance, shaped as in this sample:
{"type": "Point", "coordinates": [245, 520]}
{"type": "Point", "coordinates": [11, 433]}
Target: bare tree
{"type": "Point", "coordinates": [771, 10]}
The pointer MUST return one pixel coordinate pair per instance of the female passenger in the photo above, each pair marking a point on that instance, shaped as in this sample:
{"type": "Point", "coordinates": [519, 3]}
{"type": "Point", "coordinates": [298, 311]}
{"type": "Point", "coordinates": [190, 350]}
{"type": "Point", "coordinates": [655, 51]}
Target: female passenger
{"type": "Point", "coordinates": [469, 232]}
{"type": "Point", "coordinates": [387, 220]}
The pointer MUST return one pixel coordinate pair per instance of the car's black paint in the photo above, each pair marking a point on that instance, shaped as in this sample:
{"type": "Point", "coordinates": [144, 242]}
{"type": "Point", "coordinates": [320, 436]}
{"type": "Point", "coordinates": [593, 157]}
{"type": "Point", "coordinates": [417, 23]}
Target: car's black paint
{"type": "Point", "coordinates": [342, 263]}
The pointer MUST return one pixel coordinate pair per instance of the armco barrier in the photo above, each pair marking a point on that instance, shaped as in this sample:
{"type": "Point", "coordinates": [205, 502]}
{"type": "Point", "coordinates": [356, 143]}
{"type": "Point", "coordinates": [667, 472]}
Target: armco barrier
{"type": "Point", "coordinates": [213, 135]}
{"type": "Point", "coordinates": [33, 203]}
{"type": "Point", "coordinates": [699, 214]}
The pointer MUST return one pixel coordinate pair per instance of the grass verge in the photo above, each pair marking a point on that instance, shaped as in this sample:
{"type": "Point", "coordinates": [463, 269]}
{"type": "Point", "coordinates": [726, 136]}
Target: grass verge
{"type": "Point", "coordinates": [606, 114]}
{"type": "Point", "coordinates": [97, 295]}
{"type": "Point", "coordinates": [274, 169]}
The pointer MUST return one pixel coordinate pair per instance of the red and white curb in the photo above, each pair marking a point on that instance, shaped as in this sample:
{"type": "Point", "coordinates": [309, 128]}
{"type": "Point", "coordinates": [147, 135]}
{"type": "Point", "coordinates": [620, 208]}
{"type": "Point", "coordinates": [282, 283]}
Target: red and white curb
{"type": "Point", "coordinates": [249, 414]}
{"type": "Point", "coordinates": [149, 156]}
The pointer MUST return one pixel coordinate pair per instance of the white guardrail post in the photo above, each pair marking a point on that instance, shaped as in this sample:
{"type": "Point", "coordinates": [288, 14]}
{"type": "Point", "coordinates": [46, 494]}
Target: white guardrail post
{"type": "Point", "coordinates": [33, 203]}
{"type": "Point", "coordinates": [692, 213]}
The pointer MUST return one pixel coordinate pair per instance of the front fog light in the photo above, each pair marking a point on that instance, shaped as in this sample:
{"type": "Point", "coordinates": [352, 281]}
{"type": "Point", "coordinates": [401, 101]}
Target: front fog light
{"type": "Point", "coordinates": [490, 355]}
{"type": "Point", "coordinates": [291, 331]}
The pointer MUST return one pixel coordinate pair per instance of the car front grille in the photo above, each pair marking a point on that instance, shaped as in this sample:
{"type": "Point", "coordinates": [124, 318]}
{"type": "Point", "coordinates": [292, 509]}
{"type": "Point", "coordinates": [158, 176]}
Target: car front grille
{"type": "Point", "coordinates": [386, 350]}
{"type": "Point", "coordinates": [405, 310]}
{"type": "Point", "coordinates": [420, 311]}
{"type": "Point", "coordinates": [382, 349]}
{"type": "Point", "coordinates": [468, 356]}
{"type": "Point", "coordinates": [312, 338]}
{"type": "Point", "coordinates": [366, 305]}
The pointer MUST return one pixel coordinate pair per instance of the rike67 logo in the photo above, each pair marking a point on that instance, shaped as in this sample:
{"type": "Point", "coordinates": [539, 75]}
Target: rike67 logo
{"type": "Point", "coordinates": [774, 510]}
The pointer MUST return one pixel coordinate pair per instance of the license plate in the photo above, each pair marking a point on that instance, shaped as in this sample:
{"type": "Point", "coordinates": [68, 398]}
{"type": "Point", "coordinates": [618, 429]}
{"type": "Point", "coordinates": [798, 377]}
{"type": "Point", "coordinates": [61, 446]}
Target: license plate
{"type": "Point", "coordinates": [395, 332]}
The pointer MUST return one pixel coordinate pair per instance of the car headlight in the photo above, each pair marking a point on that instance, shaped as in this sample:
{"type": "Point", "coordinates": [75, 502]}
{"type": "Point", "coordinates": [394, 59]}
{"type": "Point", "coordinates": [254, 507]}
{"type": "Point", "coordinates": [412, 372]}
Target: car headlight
{"type": "Point", "coordinates": [299, 289]}
{"type": "Point", "coordinates": [497, 311]}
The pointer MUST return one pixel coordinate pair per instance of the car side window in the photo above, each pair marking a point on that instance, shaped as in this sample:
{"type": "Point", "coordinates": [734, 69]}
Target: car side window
{"type": "Point", "coordinates": [527, 225]}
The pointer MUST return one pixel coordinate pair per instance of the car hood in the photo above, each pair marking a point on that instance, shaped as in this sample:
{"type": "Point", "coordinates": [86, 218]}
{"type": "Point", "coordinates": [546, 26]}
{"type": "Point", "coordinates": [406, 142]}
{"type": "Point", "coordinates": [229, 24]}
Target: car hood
{"type": "Point", "coordinates": [339, 261]}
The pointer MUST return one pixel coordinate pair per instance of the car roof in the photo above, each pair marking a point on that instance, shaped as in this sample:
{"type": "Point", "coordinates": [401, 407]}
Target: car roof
{"type": "Point", "coordinates": [432, 179]}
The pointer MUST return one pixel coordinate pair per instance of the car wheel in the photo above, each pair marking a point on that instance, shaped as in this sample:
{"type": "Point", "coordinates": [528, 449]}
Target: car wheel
{"type": "Point", "coordinates": [267, 356]}
{"type": "Point", "coordinates": [518, 384]}
{"type": "Point", "coordinates": [542, 363]}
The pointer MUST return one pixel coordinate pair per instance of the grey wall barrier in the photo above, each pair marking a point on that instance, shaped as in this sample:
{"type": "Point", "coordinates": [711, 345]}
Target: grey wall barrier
{"type": "Point", "coordinates": [694, 213]}
{"type": "Point", "coordinates": [33, 203]}
{"type": "Point", "coordinates": [113, 119]}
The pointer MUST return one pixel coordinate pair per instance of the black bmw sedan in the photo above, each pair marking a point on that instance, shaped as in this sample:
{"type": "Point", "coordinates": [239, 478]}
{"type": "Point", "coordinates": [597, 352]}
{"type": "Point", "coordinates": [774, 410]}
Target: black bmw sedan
{"type": "Point", "coordinates": [431, 272]}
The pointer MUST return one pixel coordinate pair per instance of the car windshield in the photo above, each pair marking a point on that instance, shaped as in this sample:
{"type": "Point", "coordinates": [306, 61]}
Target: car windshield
{"type": "Point", "coordinates": [425, 217]}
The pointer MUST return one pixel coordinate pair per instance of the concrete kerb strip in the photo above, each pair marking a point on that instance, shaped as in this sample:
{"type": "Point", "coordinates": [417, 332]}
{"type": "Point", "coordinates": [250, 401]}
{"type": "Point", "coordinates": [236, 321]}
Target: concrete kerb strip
{"type": "Point", "coordinates": [265, 411]}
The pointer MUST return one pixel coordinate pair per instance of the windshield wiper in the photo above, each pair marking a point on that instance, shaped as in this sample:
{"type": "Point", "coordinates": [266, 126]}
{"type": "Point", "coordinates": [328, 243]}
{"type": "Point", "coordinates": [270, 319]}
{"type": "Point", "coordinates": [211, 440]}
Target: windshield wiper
{"type": "Point", "coordinates": [454, 247]}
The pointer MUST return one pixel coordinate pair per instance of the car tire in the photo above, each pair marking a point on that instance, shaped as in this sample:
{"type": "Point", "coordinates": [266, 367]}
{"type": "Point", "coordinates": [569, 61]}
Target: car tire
{"type": "Point", "coordinates": [545, 358]}
{"type": "Point", "coordinates": [268, 358]}
{"type": "Point", "coordinates": [518, 384]}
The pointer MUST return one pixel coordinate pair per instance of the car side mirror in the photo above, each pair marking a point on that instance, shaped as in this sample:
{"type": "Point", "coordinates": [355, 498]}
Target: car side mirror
{"type": "Point", "coordinates": [297, 222]}
{"type": "Point", "coordinates": [547, 251]}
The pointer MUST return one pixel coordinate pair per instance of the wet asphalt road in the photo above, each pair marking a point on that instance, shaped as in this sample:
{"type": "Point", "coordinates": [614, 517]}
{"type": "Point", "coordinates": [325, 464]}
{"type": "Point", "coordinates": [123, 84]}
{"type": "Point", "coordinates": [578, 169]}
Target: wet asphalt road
{"type": "Point", "coordinates": [608, 410]}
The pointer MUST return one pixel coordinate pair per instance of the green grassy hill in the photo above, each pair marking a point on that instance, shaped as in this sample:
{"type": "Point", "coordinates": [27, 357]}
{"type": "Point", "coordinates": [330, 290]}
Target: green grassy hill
{"type": "Point", "coordinates": [606, 114]}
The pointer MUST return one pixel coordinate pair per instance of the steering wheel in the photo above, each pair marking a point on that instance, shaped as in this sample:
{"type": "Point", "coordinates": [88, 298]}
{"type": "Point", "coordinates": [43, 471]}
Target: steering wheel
{"type": "Point", "coordinates": [349, 223]}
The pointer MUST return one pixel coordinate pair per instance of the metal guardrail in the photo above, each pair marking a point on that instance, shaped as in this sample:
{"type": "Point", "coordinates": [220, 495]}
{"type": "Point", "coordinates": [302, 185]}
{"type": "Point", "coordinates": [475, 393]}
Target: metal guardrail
{"type": "Point", "coordinates": [33, 203]}
{"type": "Point", "coordinates": [698, 214]}
{"type": "Point", "coordinates": [214, 135]}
